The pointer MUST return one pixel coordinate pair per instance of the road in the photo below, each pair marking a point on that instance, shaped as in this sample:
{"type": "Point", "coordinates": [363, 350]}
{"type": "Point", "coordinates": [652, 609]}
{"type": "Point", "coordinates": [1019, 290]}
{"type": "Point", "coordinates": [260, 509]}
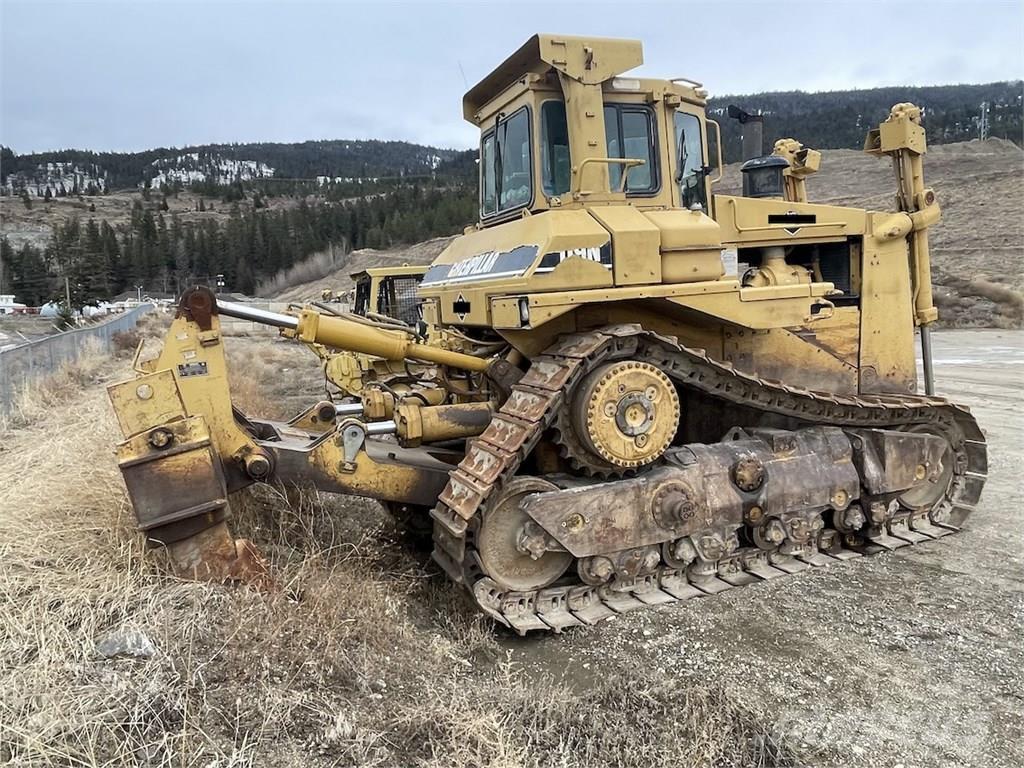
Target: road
{"type": "Point", "coordinates": [908, 658]}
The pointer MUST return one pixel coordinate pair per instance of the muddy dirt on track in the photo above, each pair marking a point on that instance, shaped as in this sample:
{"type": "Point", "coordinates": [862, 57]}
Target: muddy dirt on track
{"type": "Point", "coordinates": [909, 658]}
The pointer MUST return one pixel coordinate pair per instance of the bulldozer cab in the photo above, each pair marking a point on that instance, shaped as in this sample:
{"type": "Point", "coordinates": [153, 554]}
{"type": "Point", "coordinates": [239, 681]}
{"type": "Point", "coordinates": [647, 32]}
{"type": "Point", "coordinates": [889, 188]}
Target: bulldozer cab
{"type": "Point", "coordinates": [589, 179]}
{"type": "Point", "coordinates": [388, 291]}
{"type": "Point", "coordinates": [622, 139]}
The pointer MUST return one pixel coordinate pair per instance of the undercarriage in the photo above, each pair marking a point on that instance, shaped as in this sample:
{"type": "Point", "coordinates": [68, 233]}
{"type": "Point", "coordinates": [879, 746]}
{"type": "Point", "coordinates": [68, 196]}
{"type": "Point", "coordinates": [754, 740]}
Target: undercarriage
{"type": "Point", "coordinates": [832, 478]}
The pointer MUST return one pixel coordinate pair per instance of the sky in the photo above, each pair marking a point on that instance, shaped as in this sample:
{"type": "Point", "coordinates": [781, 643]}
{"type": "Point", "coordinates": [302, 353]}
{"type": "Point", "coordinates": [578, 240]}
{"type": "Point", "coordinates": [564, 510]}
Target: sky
{"type": "Point", "coordinates": [127, 76]}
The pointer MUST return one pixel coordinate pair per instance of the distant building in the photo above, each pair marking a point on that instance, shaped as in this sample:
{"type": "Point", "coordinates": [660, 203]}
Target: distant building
{"type": "Point", "coordinates": [8, 306]}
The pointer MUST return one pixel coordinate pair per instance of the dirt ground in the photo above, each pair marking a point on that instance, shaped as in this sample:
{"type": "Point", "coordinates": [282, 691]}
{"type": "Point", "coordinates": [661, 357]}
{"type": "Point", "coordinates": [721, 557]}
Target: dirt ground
{"type": "Point", "coordinates": [908, 658]}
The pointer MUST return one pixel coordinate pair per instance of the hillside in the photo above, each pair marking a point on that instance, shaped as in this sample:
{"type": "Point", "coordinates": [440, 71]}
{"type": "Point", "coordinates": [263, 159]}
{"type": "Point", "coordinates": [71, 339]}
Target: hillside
{"type": "Point", "coordinates": [827, 120]}
{"type": "Point", "coordinates": [346, 160]}
{"type": "Point", "coordinates": [977, 248]}
{"type": "Point", "coordinates": [340, 281]}
{"type": "Point", "coordinates": [839, 119]}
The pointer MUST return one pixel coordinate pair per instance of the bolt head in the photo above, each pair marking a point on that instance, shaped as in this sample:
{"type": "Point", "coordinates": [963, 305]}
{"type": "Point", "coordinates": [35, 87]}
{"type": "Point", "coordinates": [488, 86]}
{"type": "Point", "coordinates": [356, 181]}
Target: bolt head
{"type": "Point", "coordinates": [711, 547]}
{"type": "Point", "coordinates": [574, 522]}
{"type": "Point", "coordinates": [775, 532]}
{"type": "Point", "coordinates": [257, 466]}
{"type": "Point", "coordinates": [853, 518]}
{"type": "Point", "coordinates": [160, 438]}
{"type": "Point", "coordinates": [651, 559]}
{"type": "Point", "coordinates": [877, 512]}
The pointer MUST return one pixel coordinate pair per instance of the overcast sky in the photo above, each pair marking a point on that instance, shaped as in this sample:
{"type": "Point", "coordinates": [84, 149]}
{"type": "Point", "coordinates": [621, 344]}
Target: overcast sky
{"type": "Point", "coordinates": [129, 76]}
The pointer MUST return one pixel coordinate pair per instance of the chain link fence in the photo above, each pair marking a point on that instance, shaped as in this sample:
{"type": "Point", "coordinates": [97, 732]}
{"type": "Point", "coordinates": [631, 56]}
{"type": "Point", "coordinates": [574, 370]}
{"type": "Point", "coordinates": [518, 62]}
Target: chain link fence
{"type": "Point", "coordinates": [23, 364]}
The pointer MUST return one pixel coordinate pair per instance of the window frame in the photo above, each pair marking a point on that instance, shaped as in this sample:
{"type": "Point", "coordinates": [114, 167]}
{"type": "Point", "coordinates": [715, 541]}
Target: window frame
{"type": "Point", "coordinates": [653, 144]}
{"type": "Point", "coordinates": [361, 299]}
{"type": "Point", "coordinates": [498, 211]}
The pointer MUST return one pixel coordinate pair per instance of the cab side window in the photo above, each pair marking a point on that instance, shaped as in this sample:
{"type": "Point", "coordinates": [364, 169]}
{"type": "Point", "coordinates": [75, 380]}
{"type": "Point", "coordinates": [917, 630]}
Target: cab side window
{"type": "Point", "coordinates": [690, 167]}
{"type": "Point", "coordinates": [556, 167]}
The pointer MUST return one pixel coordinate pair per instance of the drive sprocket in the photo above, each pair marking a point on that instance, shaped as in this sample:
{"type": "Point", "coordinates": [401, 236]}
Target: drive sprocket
{"type": "Point", "coordinates": [621, 416]}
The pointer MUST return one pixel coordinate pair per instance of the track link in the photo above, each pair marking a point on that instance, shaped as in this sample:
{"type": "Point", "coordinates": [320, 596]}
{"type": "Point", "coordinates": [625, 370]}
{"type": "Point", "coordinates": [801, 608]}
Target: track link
{"type": "Point", "coordinates": [534, 405]}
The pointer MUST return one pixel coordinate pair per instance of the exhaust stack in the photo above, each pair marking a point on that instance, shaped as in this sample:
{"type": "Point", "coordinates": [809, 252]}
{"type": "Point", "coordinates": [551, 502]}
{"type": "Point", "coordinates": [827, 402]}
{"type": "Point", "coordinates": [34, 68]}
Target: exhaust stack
{"type": "Point", "coordinates": [752, 131]}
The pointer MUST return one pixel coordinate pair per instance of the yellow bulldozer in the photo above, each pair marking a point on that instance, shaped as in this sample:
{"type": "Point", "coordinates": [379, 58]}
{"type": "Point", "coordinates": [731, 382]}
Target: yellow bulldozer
{"type": "Point", "coordinates": [633, 390]}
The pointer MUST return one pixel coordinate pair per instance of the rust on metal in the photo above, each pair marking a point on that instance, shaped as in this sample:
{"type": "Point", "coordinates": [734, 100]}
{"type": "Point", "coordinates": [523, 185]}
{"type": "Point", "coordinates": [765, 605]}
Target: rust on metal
{"type": "Point", "coordinates": [199, 305]}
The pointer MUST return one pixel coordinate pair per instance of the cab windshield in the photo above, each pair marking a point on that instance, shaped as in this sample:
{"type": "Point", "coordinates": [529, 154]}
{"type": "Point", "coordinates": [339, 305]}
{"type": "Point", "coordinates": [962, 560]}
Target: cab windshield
{"type": "Point", "coordinates": [505, 158]}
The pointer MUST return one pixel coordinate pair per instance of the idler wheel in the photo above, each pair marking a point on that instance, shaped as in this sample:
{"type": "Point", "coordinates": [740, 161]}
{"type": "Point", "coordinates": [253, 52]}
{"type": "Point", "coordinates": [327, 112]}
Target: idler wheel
{"type": "Point", "coordinates": [626, 412]}
{"type": "Point", "coordinates": [504, 534]}
{"type": "Point", "coordinates": [925, 494]}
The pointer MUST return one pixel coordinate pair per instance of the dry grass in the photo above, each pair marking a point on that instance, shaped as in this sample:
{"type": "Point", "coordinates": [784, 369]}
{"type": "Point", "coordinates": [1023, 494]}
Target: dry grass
{"type": "Point", "coordinates": [364, 657]}
{"type": "Point", "coordinates": [125, 342]}
{"type": "Point", "coordinates": [41, 398]}
{"type": "Point", "coordinates": [273, 378]}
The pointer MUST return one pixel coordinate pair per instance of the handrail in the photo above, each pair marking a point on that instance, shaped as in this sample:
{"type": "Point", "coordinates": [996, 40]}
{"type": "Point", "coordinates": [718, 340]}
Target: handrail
{"type": "Point", "coordinates": [628, 162]}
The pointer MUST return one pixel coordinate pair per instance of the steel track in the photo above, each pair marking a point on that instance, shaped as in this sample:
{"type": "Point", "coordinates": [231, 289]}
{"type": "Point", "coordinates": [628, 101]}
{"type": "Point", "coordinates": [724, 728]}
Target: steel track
{"type": "Point", "coordinates": [534, 405]}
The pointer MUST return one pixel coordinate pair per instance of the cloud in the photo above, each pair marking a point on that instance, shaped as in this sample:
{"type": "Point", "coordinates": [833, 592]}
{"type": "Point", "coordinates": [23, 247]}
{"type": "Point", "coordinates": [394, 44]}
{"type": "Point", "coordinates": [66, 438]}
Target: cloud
{"type": "Point", "coordinates": [109, 75]}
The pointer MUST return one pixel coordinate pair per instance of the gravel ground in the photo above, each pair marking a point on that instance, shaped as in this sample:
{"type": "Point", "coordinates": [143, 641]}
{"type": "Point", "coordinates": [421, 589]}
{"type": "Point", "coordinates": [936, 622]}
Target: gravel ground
{"type": "Point", "coordinates": [910, 658]}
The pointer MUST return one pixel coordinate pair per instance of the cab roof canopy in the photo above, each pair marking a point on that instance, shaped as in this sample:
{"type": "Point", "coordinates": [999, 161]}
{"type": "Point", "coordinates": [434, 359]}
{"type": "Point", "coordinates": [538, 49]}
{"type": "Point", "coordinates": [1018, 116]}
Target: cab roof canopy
{"type": "Point", "coordinates": [591, 60]}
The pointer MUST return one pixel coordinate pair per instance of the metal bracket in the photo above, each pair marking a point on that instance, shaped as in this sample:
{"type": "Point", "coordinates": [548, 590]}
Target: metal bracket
{"type": "Point", "coordinates": [351, 440]}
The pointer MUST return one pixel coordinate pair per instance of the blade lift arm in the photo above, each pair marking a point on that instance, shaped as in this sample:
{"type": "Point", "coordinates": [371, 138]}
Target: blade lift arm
{"type": "Point", "coordinates": [902, 138]}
